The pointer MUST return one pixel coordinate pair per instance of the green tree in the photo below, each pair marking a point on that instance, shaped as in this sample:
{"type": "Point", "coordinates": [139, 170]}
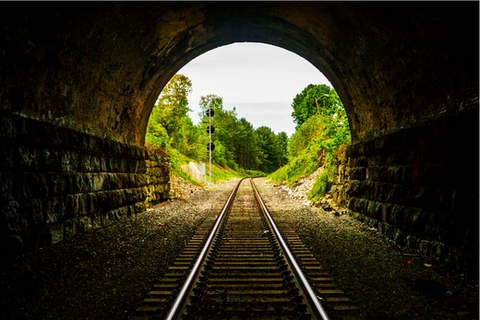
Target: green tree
{"type": "Point", "coordinates": [304, 104]}
{"type": "Point", "coordinates": [268, 149]}
{"type": "Point", "coordinates": [172, 107]}
{"type": "Point", "coordinates": [169, 125]}
{"type": "Point", "coordinates": [282, 144]}
{"type": "Point", "coordinates": [224, 124]}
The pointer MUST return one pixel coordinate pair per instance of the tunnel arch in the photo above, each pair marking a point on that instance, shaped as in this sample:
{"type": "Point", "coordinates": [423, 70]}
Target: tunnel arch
{"type": "Point", "coordinates": [103, 65]}
{"type": "Point", "coordinates": [79, 80]}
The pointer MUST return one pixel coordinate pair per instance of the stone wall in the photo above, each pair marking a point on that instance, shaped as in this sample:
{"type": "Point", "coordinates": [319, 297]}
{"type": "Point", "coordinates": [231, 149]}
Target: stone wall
{"type": "Point", "coordinates": [56, 182]}
{"type": "Point", "coordinates": [419, 187]}
{"type": "Point", "coordinates": [341, 180]}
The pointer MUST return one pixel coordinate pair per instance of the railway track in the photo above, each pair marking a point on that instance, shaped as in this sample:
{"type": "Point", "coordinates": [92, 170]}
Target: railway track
{"type": "Point", "coordinates": [241, 265]}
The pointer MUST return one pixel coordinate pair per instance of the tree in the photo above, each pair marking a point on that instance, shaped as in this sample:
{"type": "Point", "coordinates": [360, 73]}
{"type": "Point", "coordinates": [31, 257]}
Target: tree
{"type": "Point", "coordinates": [169, 124]}
{"type": "Point", "coordinates": [282, 143]}
{"type": "Point", "coordinates": [172, 106]}
{"type": "Point", "coordinates": [304, 105]}
{"type": "Point", "coordinates": [268, 149]}
{"type": "Point", "coordinates": [224, 124]}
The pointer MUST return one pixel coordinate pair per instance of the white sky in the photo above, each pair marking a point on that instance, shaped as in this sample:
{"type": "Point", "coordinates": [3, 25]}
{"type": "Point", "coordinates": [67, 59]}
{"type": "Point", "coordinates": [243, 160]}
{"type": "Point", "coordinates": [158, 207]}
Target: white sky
{"type": "Point", "coordinates": [260, 80]}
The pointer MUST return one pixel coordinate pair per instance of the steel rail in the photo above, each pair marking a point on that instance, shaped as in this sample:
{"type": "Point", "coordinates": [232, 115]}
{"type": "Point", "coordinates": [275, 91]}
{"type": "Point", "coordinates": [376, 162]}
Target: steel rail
{"type": "Point", "coordinates": [181, 299]}
{"type": "Point", "coordinates": [310, 295]}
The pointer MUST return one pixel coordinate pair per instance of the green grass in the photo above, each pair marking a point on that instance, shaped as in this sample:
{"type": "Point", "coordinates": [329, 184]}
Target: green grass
{"type": "Point", "coordinates": [219, 173]}
{"type": "Point", "coordinates": [301, 166]}
{"type": "Point", "coordinates": [318, 153]}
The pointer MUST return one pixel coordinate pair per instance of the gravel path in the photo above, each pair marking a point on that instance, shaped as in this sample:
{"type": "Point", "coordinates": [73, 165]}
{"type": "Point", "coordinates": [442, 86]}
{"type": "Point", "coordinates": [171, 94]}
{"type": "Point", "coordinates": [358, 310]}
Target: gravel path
{"type": "Point", "coordinates": [105, 274]}
{"type": "Point", "coordinates": [385, 281]}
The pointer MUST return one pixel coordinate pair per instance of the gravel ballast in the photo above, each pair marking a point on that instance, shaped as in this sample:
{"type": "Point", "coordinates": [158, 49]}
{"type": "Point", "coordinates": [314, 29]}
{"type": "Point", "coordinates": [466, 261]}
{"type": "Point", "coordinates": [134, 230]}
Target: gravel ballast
{"type": "Point", "coordinates": [104, 274]}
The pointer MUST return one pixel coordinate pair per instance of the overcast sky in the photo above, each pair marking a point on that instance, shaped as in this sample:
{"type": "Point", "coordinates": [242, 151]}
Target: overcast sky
{"type": "Point", "coordinates": [260, 80]}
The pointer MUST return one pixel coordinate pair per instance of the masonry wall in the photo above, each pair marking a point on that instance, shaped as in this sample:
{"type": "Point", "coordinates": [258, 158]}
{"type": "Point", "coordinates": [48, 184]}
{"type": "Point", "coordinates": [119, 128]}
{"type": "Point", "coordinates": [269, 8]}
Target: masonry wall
{"type": "Point", "coordinates": [419, 187]}
{"type": "Point", "coordinates": [56, 182]}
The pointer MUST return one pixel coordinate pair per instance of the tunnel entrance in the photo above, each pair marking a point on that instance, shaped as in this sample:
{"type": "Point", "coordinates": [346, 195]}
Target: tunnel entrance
{"type": "Point", "coordinates": [79, 81]}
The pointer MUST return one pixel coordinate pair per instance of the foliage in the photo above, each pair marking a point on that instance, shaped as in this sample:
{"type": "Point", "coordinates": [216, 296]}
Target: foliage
{"type": "Point", "coordinates": [305, 163]}
{"type": "Point", "coordinates": [320, 186]}
{"type": "Point", "coordinates": [315, 99]}
{"type": "Point", "coordinates": [240, 147]}
{"type": "Point", "coordinates": [237, 144]}
{"type": "Point", "coordinates": [319, 134]}
{"type": "Point", "coordinates": [169, 125]}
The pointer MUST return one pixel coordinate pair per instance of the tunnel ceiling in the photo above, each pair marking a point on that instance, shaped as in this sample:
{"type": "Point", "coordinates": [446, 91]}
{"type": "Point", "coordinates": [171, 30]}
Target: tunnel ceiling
{"type": "Point", "coordinates": [99, 67]}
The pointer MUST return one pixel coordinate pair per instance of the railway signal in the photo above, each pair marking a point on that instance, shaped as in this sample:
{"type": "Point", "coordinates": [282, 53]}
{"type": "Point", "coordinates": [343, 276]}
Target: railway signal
{"type": "Point", "coordinates": [210, 146]}
{"type": "Point", "coordinates": [210, 129]}
{"type": "Point", "coordinates": [210, 113]}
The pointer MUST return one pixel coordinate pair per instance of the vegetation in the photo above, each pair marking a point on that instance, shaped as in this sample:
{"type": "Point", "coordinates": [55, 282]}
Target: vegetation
{"type": "Point", "coordinates": [322, 127]}
{"type": "Point", "coordinates": [237, 144]}
{"type": "Point", "coordinates": [240, 150]}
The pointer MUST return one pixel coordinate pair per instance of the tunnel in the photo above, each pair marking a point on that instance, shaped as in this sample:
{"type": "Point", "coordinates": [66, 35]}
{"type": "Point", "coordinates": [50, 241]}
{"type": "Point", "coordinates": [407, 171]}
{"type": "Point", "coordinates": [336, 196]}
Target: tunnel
{"type": "Point", "coordinates": [79, 80]}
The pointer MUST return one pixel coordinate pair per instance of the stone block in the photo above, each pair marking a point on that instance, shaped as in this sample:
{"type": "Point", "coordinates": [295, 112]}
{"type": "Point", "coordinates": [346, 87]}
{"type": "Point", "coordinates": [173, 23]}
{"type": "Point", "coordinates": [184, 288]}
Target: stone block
{"type": "Point", "coordinates": [33, 210]}
{"type": "Point", "coordinates": [379, 191]}
{"type": "Point", "coordinates": [49, 160]}
{"type": "Point", "coordinates": [84, 223]}
{"type": "Point", "coordinates": [97, 181]}
{"type": "Point", "coordinates": [56, 232]}
{"type": "Point", "coordinates": [7, 154]}
{"type": "Point", "coordinates": [76, 204]}
{"type": "Point", "coordinates": [95, 144]}
{"type": "Point", "coordinates": [121, 213]}
{"type": "Point", "coordinates": [69, 229]}
{"type": "Point", "coordinates": [415, 219]}
{"type": "Point", "coordinates": [354, 188]}
{"type": "Point", "coordinates": [394, 174]}
{"type": "Point", "coordinates": [386, 229]}
{"type": "Point", "coordinates": [7, 126]}
{"type": "Point", "coordinates": [387, 214]}
{"type": "Point", "coordinates": [398, 215]}
{"type": "Point", "coordinates": [10, 218]}
{"type": "Point", "coordinates": [411, 242]}
{"type": "Point", "coordinates": [95, 163]}
{"type": "Point", "coordinates": [96, 221]}
{"type": "Point", "coordinates": [139, 207]}
{"type": "Point", "coordinates": [112, 164]}
{"type": "Point", "coordinates": [69, 161]}
{"type": "Point", "coordinates": [81, 183]}
{"type": "Point", "coordinates": [102, 202]}
{"type": "Point", "coordinates": [29, 184]}
{"type": "Point", "coordinates": [85, 163]}
{"type": "Point", "coordinates": [56, 183]}
{"type": "Point", "coordinates": [91, 203]}
{"type": "Point", "coordinates": [400, 238]}
{"type": "Point", "coordinates": [358, 173]}
{"type": "Point", "coordinates": [393, 193]}
{"type": "Point", "coordinates": [6, 186]}
{"type": "Point", "coordinates": [104, 162]}
{"type": "Point", "coordinates": [21, 128]}
{"type": "Point", "coordinates": [27, 158]}
{"type": "Point", "coordinates": [54, 209]}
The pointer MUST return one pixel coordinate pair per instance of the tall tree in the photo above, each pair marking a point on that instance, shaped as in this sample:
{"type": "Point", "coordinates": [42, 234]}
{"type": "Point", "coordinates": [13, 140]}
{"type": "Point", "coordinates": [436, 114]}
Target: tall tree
{"type": "Point", "coordinates": [168, 124]}
{"type": "Point", "coordinates": [172, 106]}
{"type": "Point", "coordinates": [304, 104]}
{"type": "Point", "coordinates": [269, 151]}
